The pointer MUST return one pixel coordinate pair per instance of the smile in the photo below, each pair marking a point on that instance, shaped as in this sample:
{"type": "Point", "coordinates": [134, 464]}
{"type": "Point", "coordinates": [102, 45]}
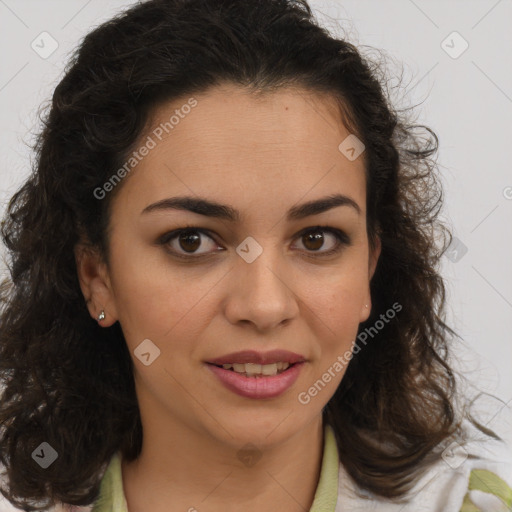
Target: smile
{"type": "Point", "coordinates": [257, 370]}
{"type": "Point", "coordinates": [249, 381]}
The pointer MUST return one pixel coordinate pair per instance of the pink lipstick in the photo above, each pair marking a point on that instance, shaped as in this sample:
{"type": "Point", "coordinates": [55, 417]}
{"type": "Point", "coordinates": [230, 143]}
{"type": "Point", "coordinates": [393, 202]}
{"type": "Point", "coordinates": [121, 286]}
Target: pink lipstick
{"type": "Point", "coordinates": [258, 375]}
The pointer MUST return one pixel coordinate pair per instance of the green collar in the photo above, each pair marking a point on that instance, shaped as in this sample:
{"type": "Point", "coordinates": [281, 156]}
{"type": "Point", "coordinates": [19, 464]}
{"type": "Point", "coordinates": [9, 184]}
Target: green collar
{"type": "Point", "coordinates": [112, 498]}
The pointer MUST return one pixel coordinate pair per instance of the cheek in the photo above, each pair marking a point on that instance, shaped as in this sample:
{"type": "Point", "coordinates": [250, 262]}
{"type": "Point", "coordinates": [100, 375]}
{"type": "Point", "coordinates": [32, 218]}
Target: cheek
{"type": "Point", "coordinates": [157, 303]}
{"type": "Point", "coordinates": [337, 300]}
{"type": "Point", "coordinates": [149, 300]}
{"type": "Point", "coordinates": [335, 306]}
{"type": "Point", "coordinates": [337, 310]}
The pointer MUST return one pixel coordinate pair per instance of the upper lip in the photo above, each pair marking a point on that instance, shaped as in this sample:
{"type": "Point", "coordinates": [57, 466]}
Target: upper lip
{"type": "Point", "coordinates": [252, 356]}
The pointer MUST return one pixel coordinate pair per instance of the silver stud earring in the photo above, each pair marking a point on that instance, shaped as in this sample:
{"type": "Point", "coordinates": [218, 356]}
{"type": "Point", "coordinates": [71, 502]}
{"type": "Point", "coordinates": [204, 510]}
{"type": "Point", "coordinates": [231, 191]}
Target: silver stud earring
{"type": "Point", "coordinates": [101, 316]}
{"type": "Point", "coordinates": [366, 305]}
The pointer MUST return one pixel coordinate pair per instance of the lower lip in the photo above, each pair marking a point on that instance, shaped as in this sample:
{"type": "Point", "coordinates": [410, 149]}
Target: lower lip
{"type": "Point", "coordinates": [257, 387]}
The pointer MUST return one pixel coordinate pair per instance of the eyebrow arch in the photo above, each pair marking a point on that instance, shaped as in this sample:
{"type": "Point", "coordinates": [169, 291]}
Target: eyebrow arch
{"type": "Point", "coordinates": [209, 208]}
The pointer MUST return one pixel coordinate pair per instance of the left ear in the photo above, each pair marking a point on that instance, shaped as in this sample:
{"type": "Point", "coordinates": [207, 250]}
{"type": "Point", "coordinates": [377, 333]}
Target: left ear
{"type": "Point", "coordinates": [373, 258]}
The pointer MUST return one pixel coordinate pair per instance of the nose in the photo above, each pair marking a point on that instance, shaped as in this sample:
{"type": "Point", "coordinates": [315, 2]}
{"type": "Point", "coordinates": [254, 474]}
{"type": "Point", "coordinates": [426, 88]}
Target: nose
{"type": "Point", "coordinates": [262, 292]}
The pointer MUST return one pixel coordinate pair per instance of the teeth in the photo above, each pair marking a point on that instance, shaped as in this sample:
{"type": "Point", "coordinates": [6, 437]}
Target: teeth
{"type": "Point", "coordinates": [269, 369]}
{"type": "Point", "coordinates": [251, 369]}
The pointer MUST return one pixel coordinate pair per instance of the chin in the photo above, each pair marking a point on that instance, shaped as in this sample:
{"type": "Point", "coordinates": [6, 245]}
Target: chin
{"type": "Point", "coordinates": [258, 427]}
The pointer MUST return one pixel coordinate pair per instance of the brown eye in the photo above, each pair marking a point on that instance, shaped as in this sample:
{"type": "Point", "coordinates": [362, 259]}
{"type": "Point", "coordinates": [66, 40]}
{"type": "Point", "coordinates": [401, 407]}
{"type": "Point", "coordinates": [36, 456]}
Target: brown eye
{"type": "Point", "coordinates": [314, 239]}
{"type": "Point", "coordinates": [186, 241]}
{"type": "Point", "coordinates": [189, 241]}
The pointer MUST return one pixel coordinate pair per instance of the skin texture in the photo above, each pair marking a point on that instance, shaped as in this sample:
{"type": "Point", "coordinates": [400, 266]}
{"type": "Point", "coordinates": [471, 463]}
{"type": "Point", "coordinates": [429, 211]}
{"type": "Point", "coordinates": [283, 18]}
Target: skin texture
{"type": "Point", "coordinates": [260, 155]}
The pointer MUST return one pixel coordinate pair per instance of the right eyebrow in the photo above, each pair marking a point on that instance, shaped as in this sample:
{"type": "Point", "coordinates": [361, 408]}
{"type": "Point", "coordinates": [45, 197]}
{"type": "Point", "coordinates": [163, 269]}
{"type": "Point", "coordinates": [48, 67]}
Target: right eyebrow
{"type": "Point", "coordinates": [208, 208]}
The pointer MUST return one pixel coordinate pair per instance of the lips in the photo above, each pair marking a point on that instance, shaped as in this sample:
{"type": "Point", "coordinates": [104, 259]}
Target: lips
{"type": "Point", "coordinates": [257, 375]}
{"type": "Point", "coordinates": [251, 356]}
{"type": "Point", "coordinates": [257, 387]}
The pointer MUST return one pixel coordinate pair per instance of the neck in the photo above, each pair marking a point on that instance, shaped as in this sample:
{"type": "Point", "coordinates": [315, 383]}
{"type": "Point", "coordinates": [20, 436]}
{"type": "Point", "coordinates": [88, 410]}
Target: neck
{"type": "Point", "coordinates": [181, 469]}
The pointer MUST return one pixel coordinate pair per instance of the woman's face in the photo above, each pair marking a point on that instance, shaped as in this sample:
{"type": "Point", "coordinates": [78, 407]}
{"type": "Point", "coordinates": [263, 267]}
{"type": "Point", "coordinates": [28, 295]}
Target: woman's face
{"type": "Point", "coordinates": [252, 275]}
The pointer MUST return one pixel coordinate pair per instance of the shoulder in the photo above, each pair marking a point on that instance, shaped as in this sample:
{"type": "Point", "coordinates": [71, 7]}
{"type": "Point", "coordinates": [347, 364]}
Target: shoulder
{"type": "Point", "coordinates": [475, 476]}
{"type": "Point", "coordinates": [109, 485]}
{"type": "Point", "coordinates": [488, 468]}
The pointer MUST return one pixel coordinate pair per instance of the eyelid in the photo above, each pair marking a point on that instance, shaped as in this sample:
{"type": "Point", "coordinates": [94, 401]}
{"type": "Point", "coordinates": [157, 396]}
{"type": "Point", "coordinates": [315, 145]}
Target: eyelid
{"type": "Point", "coordinates": [166, 238]}
{"type": "Point", "coordinates": [341, 236]}
{"type": "Point", "coordinates": [342, 240]}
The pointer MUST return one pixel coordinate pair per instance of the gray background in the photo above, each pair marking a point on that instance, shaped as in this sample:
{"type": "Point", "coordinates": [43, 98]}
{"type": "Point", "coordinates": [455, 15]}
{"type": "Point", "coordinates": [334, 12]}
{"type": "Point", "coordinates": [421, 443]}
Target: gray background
{"type": "Point", "coordinates": [466, 97]}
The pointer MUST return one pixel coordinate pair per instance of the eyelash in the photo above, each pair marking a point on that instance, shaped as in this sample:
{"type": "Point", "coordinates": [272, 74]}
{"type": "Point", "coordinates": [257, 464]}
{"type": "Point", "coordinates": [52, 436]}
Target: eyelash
{"type": "Point", "coordinates": [342, 240]}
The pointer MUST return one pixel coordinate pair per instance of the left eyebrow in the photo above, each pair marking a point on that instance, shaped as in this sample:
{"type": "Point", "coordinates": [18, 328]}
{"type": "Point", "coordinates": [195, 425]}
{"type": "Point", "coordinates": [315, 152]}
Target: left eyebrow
{"type": "Point", "coordinates": [208, 208]}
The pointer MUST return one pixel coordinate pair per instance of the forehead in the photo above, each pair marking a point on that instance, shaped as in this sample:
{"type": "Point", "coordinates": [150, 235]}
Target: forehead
{"type": "Point", "coordinates": [228, 116]}
{"type": "Point", "coordinates": [233, 144]}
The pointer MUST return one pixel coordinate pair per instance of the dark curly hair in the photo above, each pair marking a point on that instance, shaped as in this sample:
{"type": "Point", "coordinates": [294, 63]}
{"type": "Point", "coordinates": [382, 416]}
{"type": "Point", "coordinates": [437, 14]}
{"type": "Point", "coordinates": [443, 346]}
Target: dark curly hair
{"type": "Point", "coordinates": [69, 382]}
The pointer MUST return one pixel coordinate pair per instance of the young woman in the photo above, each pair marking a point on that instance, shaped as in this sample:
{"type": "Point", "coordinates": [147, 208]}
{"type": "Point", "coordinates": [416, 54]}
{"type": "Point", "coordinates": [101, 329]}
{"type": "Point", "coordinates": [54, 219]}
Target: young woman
{"type": "Point", "coordinates": [224, 291]}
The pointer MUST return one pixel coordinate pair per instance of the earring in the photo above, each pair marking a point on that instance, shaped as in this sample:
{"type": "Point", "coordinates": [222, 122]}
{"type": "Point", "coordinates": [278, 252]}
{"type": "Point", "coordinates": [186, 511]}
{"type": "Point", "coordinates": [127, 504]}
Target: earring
{"type": "Point", "coordinates": [366, 305]}
{"type": "Point", "coordinates": [101, 316]}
